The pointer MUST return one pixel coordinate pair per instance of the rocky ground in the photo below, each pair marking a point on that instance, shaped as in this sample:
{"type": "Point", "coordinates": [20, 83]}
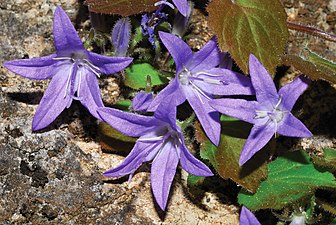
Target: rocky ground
{"type": "Point", "coordinates": [54, 176]}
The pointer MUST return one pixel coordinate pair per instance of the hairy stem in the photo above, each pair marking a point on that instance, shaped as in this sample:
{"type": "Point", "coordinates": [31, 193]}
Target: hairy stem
{"type": "Point", "coordinates": [312, 31]}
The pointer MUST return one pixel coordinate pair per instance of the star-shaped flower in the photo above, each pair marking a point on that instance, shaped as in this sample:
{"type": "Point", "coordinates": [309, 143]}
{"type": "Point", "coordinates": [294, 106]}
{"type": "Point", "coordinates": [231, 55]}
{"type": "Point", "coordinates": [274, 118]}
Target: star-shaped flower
{"type": "Point", "coordinates": [161, 141]}
{"type": "Point", "coordinates": [73, 70]}
{"type": "Point", "coordinates": [270, 114]}
{"type": "Point", "coordinates": [197, 79]}
{"type": "Point", "coordinates": [247, 217]}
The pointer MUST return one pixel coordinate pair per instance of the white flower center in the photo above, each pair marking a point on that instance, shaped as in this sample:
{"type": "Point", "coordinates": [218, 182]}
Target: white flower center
{"type": "Point", "coordinates": [78, 60]}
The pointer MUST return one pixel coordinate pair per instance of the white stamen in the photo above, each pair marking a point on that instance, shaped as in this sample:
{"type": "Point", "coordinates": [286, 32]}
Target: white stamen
{"type": "Point", "coordinates": [208, 74]}
{"type": "Point", "coordinates": [79, 83]}
{"type": "Point", "coordinates": [68, 82]}
{"type": "Point", "coordinates": [176, 149]}
{"type": "Point", "coordinates": [63, 58]}
{"type": "Point", "coordinates": [279, 102]}
{"type": "Point", "coordinates": [158, 138]}
{"type": "Point", "coordinates": [199, 90]}
{"type": "Point", "coordinates": [212, 81]}
{"type": "Point", "coordinates": [93, 66]}
{"type": "Point", "coordinates": [164, 3]}
{"type": "Point", "coordinates": [95, 72]}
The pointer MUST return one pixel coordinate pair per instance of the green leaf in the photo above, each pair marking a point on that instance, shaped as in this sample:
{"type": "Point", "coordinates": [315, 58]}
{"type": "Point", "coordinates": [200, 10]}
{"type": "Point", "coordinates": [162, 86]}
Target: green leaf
{"type": "Point", "coordinates": [327, 160]}
{"type": "Point", "coordinates": [290, 178]}
{"type": "Point", "coordinates": [333, 222]}
{"type": "Point", "coordinates": [121, 7]}
{"type": "Point", "coordinates": [193, 180]}
{"type": "Point", "coordinates": [245, 27]}
{"type": "Point", "coordinates": [225, 157]}
{"type": "Point", "coordinates": [136, 76]}
{"type": "Point", "coordinates": [314, 71]}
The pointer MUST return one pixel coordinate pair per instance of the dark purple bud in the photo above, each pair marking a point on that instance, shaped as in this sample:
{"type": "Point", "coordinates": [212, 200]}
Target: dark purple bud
{"type": "Point", "coordinates": [181, 22]}
{"type": "Point", "coordinates": [121, 33]}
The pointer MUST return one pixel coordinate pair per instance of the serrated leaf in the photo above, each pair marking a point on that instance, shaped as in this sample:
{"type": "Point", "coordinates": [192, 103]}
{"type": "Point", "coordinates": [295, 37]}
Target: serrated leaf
{"type": "Point", "coordinates": [328, 159]}
{"type": "Point", "coordinates": [193, 180]}
{"type": "Point", "coordinates": [245, 27]}
{"type": "Point", "coordinates": [225, 157]}
{"type": "Point", "coordinates": [121, 7]}
{"type": "Point", "coordinates": [136, 76]}
{"type": "Point", "coordinates": [314, 71]}
{"type": "Point", "coordinates": [111, 139]}
{"type": "Point", "coordinates": [319, 60]}
{"type": "Point", "coordinates": [290, 178]}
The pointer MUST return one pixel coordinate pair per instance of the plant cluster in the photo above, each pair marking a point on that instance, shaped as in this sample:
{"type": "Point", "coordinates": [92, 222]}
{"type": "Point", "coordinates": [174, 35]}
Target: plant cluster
{"type": "Point", "coordinates": [180, 97]}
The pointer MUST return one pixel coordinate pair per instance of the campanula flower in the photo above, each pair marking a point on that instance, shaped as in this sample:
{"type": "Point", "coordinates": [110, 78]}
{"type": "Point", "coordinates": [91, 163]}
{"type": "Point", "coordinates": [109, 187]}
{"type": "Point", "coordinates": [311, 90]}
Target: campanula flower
{"type": "Point", "coordinates": [161, 141]}
{"type": "Point", "coordinates": [121, 34]}
{"type": "Point", "coordinates": [270, 114]}
{"type": "Point", "coordinates": [247, 217]}
{"type": "Point", "coordinates": [73, 70]}
{"type": "Point", "coordinates": [148, 25]}
{"type": "Point", "coordinates": [197, 79]}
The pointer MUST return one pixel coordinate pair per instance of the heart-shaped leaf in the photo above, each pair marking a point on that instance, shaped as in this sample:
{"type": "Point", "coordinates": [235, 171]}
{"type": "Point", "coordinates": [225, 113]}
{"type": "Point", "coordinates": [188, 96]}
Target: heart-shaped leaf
{"type": "Point", "coordinates": [121, 7]}
{"type": "Point", "coordinates": [245, 27]}
{"type": "Point", "coordinates": [290, 178]}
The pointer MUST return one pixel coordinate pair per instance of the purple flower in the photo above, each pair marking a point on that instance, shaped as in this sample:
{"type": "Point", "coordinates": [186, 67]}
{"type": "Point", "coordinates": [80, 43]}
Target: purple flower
{"type": "Point", "coordinates": [141, 101]}
{"type": "Point", "coordinates": [161, 141]}
{"type": "Point", "coordinates": [247, 217]}
{"type": "Point", "coordinates": [148, 25]}
{"type": "Point", "coordinates": [181, 22]}
{"type": "Point", "coordinates": [121, 34]}
{"type": "Point", "coordinates": [181, 5]}
{"type": "Point", "coordinates": [270, 114]}
{"type": "Point", "coordinates": [73, 70]}
{"type": "Point", "coordinates": [197, 79]}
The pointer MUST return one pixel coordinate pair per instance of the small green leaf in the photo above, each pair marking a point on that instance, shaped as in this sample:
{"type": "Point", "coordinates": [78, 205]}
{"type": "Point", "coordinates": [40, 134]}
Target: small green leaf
{"type": "Point", "coordinates": [245, 27]}
{"type": "Point", "coordinates": [121, 7]}
{"type": "Point", "coordinates": [193, 180]}
{"type": "Point", "coordinates": [314, 71]}
{"type": "Point", "coordinates": [136, 76]}
{"type": "Point", "coordinates": [225, 157]}
{"type": "Point", "coordinates": [319, 60]}
{"type": "Point", "coordinates": [290, 178]}
{"type": "Point", "coordinates": [333, 222]}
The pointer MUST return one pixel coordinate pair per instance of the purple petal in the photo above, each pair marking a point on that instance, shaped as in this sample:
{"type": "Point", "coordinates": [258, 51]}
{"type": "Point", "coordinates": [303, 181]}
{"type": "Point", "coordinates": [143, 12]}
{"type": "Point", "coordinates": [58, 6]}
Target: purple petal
{"type": "Point", "coordinates": [66, 38]}
{"type": "Point", "coordinates": [162, 173]}
{"type": "Point", "coordinates": [173, 90]}
{"type": "Point", "coordinates": [130, 124]}
{"type": "Point", "coordinates": [292, 127]}
{"type": "Point", "coordinates": [238, 108]}
{"type": "Point", "coordinates": [292, 91]}
{"type": "Point", "coordinates": [142, 101]}
{"type": "Point", "coordinates": [182, 6]}
{"type": "Point", "coordinates": [109, 64]}
{"type": "Point", "coordinates": [181, 22]}
{"type": "Point", "coordinates": [262, 82]}
{"type": "Point", "coordinates": [132, 162]}
{"type": "Point", "coordinates": [54, 100]}
{"type": "Point", "coordinates": [121, 34]}
{"type": "Point", "coordinates": [258, 138]}
{"type": "Point", "coordinates": [89, 92]}
{"type": "Point", "coordinates": [232, 83]}
{"type": "Point", "coordinates": [207, 116]}
{"type": "Point", "coordinates": [247, 217]}
{"type": "Point", "coordinates": [192, 165]}
{"type": "Point", "coordinates": [167, 112]}
{"type": "Point", "coordinates": [178, 49]}
{"type": "Point", "coordinates": [37, 68]}
{"type": "Point", "coordinates": [206, 58]}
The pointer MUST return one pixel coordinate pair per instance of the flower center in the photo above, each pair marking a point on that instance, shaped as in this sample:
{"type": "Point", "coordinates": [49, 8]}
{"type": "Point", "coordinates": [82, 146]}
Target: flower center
{"type": "Point", "coordinates": [79, 61]}
{"type": "Point", "coordinates": [184, 76]}
{"type": "Point", "coordinates": [274, 115]}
